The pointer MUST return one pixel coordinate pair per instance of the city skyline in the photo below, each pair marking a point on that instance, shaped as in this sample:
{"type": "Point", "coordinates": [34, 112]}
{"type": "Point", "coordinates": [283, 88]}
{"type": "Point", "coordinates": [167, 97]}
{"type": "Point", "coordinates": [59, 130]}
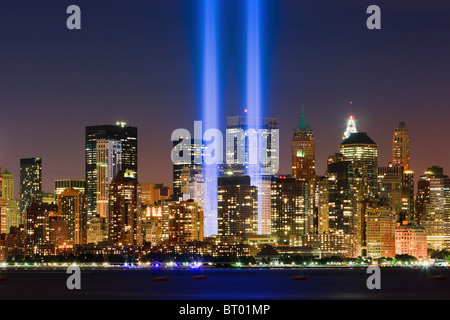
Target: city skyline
{"type": "Point", "coordinates": [398, 74]}
{"type": "Point", "coordinates": [51, 184]}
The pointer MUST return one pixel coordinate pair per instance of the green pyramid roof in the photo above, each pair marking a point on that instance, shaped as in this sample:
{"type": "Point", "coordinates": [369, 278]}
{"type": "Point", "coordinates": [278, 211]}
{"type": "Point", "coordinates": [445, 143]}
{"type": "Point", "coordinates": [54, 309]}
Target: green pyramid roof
{"type": "Point", "coordinates": [303, 123]}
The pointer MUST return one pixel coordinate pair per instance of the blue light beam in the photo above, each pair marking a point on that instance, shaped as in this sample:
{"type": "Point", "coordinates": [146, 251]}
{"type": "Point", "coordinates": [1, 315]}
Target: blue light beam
{"type": "Point", "coordinates": [211, 108]}
{"type": "Point", "coordinates": [254, 87]}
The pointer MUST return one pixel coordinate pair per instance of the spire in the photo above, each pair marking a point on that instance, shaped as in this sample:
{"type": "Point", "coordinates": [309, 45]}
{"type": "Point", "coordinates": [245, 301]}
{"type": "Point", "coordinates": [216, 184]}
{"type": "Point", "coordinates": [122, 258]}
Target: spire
{"type": "Point", "coordinates": [303, 124]}
{"type": "Point", "coordinates": [351, 127]}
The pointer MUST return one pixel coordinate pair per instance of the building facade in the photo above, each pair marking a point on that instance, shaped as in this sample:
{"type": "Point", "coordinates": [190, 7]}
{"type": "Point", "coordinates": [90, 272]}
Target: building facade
{"type": "Point", "coordinates": [237, 208]}
{"type": "Point", "coordinates": [125, 210]}
{"type": "Point", "coordinates": [30, 183]}
{"type": "Point", "coordinates": [122, 133]}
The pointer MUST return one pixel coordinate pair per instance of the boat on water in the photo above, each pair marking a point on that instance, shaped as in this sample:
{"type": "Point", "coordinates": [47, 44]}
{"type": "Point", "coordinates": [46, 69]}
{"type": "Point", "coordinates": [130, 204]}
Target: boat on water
{"type": "Point", "coordinates": [161, 279]}
{"type": "Point", "coordinates": [300, 278]}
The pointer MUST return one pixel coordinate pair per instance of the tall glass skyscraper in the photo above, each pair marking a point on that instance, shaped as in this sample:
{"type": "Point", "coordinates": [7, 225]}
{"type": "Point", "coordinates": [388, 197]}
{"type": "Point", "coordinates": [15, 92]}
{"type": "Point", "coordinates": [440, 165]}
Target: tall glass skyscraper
{"type": "Point", "coordinates": [362, 152]}
{"type": "Point", "coordinates": [95, 136]}
{"type": "Point", "coordinates": [257, 151]}
{"type": "Point", "coordinates": [30, 183]}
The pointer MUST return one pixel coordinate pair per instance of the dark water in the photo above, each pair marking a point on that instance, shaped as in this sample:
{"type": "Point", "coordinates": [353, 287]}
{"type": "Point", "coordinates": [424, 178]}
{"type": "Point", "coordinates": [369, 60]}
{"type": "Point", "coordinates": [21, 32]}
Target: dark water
{"type": "Point", "coordinates": [259, 284]}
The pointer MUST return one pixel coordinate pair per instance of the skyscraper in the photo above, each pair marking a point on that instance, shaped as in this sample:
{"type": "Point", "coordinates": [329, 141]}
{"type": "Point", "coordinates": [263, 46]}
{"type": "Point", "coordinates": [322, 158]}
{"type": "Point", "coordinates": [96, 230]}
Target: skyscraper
{"type": "Point", "coordinates": [154, 192]}
{"type": "Point", "coordinates": [411, 240]}
{"type": "Point", "coordinates": [258, 153]}
{"type": "Point", "coordinates": [72, 207]}
{"type": "Point", "coordinates": [13, 218]}
{"type": "Point", "coordinates": [303, 151]}
{"type": "Point", "coordinates": [122, 133]}
{"type": "Point", "coordinates": [303, 160]}
{"type": "Point", "coordinates": [125, 215]}
{"type": "Point", "coordinates": [323, 205]}
{"type": "Point", "coordinates": [376, 230]}
{"type": "Point", "coordinates": [194, 152]}
{"type": "Point", "coordinates": [340, 212]}
{"type": "Point", "coordinates": [75, 184]}
{"type": "Point", "coordinates": [400, 146]}
{"type": "Point", "coordinates": [290, 210]}
{"type": "Point", "coordinates": [362, 152]}
{"type": "Point", "coordinates": [30, 183]}
{"type": "Point", "coordinates": [237, 208]}
{"type": "Point", "coordinates": [109, 163]}
{"type": "Point", "coordinates": [185, 222]}
{"type": "Point", "coordinates": [437, 220]}
{"type": "Point", "coordinates": [423, 192]}
{"type": "Point", "coordinates": [401, 158]}
{"type": "Point", "coordinates": [390, 186]}
{"type": "Point", "coordinates": [38, 227]}
{"type": "Point", "coordinates": [2, 205]}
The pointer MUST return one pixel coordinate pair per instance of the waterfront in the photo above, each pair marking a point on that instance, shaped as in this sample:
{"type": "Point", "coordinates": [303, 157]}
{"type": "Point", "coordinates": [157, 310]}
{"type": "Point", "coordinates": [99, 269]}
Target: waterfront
{"type": "Point", "coordinates": [225, 284]}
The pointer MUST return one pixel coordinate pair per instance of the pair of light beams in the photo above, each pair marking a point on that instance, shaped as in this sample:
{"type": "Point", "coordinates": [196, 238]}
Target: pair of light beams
{"type": "Point", "coordinates": [210, 89]}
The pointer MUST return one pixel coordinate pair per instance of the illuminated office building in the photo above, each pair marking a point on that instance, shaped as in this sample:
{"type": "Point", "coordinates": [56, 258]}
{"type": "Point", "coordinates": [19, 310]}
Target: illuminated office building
{"type": "Point", "coordinates": [362, 153]}
{"type": "Point", "coordinates": [330, 245]}
{"type": "Point", "coordinates": [195, 152]}
{"type": "Point", "coordinates": [97, 230]}
{"type": "Point", "coordinates": [185, 222]}
{"type": "Point", "coordinates": [154, 192]}
{"type": "Point", "coordinates": [408, 201]}
{"type": "Point", "coordinates": [400, 147]}
{"type": "Point", "coordinates": [303, 151]}
{"type": "Point", "coordinates": [290, 210]}
{"type": "Point", "coordinates": [13, 218]}
{"type": "Point", "coordinates": [30, 183]}
{"type": "Point", "coordinates": [58, 230]}
{"type": "Point", "coordinates": [193, 185]}
{"type": "Point", "coordinates": [109, 163]}
{"type": "Point", "coordinates": [323, 204]}
{"type": "Point", "coordinates": [152, 224]}
{"type": "Point", "coordinates": [303, 159]}
{"type": "Point", "coordinates": [72, 207]}
{"type": "Point", "coordinates": [411, 240]}
{"type": "Point", "coordinates": [125, 215]}
{"type": "Point", "coordinates": [340, 211]}
{"type": "Point", "coordinates": [401, 159]}
{"type": "Point", "coordinates": [38, 228]}
{"type": "Point", "coordinates": [75, 184]}
{"type": "Point", "coordinates": [122, 133]}
{"type": "Point", "coordinates": [259, 165]}
{"type": "Point", "coordinates": [423, 193]}
{"type": "Point", "coordinates": [437, 218]}
{"type": "Point", "coordinates": [390, 186]}
{"type": "Point", "coordinates": [237, 208]}
{"type": "Point", "coordinates": [13, 244]}
{"type": "Point", "coordinates": [396, 186]}
{"type": "Point", "coordinates": [376, 230]}
{"type": "Point", "coordinates": [2, 206]}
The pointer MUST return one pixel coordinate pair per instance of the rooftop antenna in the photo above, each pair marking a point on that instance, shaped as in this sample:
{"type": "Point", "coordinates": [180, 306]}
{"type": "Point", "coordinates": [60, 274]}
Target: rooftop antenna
{"type": "Point", "coordinates": [351, 125]}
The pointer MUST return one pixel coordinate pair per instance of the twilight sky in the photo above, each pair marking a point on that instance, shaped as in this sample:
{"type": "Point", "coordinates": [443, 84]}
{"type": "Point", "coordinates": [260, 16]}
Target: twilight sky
{"type": "Point", "coordinates": [139, 62]}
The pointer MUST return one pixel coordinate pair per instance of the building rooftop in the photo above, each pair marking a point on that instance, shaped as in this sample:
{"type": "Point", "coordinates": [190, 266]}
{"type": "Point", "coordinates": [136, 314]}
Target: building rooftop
{"type": "Point", "coordinates": [358, 138]}
{"type": "Point", "coordinates": [303, 123]}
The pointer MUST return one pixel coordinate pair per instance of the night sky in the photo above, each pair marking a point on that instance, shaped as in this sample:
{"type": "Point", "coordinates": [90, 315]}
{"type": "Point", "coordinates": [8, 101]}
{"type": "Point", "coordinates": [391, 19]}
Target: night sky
{"type": "Point", "coordinates": [139, 62]}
